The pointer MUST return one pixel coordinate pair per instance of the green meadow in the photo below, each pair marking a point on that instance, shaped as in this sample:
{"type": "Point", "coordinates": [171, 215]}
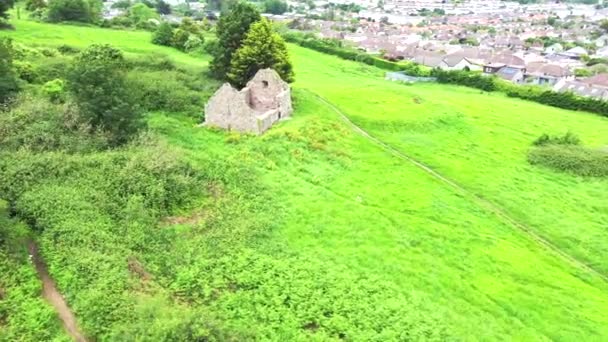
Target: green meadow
{"type": "Point", "coordinates": [315, 231]}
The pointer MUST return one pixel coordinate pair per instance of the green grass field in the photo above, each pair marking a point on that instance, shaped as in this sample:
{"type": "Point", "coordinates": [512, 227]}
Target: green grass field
{"type": "Point", "coordinates": [321, 234]}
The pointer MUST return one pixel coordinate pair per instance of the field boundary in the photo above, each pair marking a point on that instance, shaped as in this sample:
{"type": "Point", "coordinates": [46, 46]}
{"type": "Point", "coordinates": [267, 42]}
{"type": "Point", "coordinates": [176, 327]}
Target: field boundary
{"type": "Point", "coordinates": [477, 199]}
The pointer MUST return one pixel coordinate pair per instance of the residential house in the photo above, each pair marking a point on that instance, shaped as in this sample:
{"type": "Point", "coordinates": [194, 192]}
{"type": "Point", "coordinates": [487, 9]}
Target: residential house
{"type": "Point", "coordinates": [541, 73]}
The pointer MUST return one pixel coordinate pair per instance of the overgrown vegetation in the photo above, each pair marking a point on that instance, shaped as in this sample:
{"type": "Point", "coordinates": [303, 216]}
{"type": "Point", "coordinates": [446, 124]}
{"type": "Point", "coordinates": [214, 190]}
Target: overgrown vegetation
{"type": "Point", "coordinates": [309, 232]}
{"type": "Point", "coordinates": [565, 153]}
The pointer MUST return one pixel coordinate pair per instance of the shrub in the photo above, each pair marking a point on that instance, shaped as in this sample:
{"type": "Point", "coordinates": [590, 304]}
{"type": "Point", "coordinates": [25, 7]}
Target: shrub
{"type": "Point", "coordinates": [469, 79]}
{"type": "Point", "coordinates": [25, 71]}
{"type": "Point", "coordinates": [67, 49]}
{"type": "Point", "coordinates": [567, 139]}
{"type": "Point", "coordinates": [574, 159]}
{"type": "Point", "coordinates": [163, 90]}
{"type": "Point", "coordinates": [36, 124]}
{"type": "Point", "coordinates": [193, 43]}
{"type": "Point", "coordinates": [141, 13]}
{"type": "Point", "coordinates": [54, 90]}
{"type": "Point", "coordinates": [163, 34]}
{"type": "Point", "coordinates": [179, 39]}
{"type": "Point", "coordinates": [8, 78]}
{"type": "Point", "coordinates": [97, 81]}
{"type": "Point", "coordinates": [32, 5]}
{"type": "Point", "coordinates": [70, 10]}
{"type": "Point", "coordinates": [152, 62]}
{"type": "Point", "coordinates": [275, 6]}
{"type": "Point", "coordinates": [5, 5]}
{"type": "Point", "coordinates": [48, 69]}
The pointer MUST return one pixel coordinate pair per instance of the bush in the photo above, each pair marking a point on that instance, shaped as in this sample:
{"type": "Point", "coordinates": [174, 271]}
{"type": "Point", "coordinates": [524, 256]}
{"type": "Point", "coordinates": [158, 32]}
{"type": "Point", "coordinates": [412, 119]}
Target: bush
{"type": "Point", "coordinates": [567, 139]}
{"type": "Point", "coordinates": [70, 10]}
{"type": "Point", "coordinates": [54, 90]}
{"type": "Point", "coordinates": [164, 90]}
{"type": "Point", "coordinates": [25, 71]}
{"type": "Point", "coordinates": [8, 78]}
{"type": "Point", "coordinates": [179, 39]}
{"type": "Point", "coordinates": [36, 124]}
{"type": "Point", "coordinates": [67, 49]}
{"type": "Point", "coordinates": [152, 62]}
{"type": "Point", "coordinates": [565, 100]}
{"type": "Point", "coordinates": [466, 78]}
{"type": "Point", "coordinates": [163, 34]}
{"type": "Point", "coordinates": [48, 69]}
{"type": "Point", "coordinates": [97, 81]}
{"type": "Point", "coordinates": [574, 159]}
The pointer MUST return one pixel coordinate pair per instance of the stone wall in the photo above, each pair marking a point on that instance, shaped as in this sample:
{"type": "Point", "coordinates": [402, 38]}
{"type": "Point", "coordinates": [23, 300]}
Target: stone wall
{"type": "Point", "coordinates": [255, 108]}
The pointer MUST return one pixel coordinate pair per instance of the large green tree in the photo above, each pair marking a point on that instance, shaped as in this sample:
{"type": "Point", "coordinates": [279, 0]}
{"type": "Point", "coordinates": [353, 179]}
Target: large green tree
{"type": "Point", "coordinates": [8, 79]}
{"type": "Point", "coordinates": [97, 82]}
{"type": "Point", "coordinates": [262, 48]}
{"type": "Point", "coordinates": [231, 30]}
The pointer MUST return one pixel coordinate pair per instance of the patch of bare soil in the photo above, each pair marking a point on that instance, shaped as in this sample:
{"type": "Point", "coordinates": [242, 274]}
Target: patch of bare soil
{"type": "Point", "coordinates": [50, 293]}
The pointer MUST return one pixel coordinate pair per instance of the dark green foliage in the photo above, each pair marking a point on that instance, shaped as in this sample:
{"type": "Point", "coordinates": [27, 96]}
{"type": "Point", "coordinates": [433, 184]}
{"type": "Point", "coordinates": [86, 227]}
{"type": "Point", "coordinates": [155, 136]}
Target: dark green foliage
{"type": "Point", "coordinates": [262, 48]}
{"type": "Point", "coordinates": [67, 49]}
{"type": "Point", "coordinates": [465, 78]}
{"type": "Point", "coordinates": [163, 35]}
{"type": "Point", "coordinates": [163, 7]}
{"type": "Point", "coordinates": [565, 153]}
{"type": "Point", "coordinates": [574, 159]}
{"type": "Point", "coordinates": [567, 139]}
{"type": "Point", "coordinates": [8, 78]}
{"type": "Point", "coordinates": [151, 62]}
{"type": "Point", "coordinates": [179, 39]}
{"type": "Point", "coordinates": [172, 91]}
{"type": "Point", "coordinates": [564, 100]}
{"type": "Point", "coordinates": [25, 71]}
{"type": "Point", "coordinates": [33, 5]}
{"type": "Point", "coordinates": [231, 30]}
{"type": "Point", "coordinates": [36, 124]}
{"type": "Point", "coordinates": [122, 4]}
{"type": "Point", "coordinates": [97, 81]}
{"type": "Point", "coordinates": [5, 5]}
{"type": "Point", "coordinates": [275, 6]}
{"type": "Point", "coordinates": [70, 10]}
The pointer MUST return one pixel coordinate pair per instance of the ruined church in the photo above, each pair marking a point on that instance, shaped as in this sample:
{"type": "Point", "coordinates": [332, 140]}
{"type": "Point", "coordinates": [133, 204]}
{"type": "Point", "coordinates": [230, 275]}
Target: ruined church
{"type": "Point", "coordinates": [254, 109]}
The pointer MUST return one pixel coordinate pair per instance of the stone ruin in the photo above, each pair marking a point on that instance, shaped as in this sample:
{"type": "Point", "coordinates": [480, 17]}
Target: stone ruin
{"type": "Point", "coordinates": [254, 109]}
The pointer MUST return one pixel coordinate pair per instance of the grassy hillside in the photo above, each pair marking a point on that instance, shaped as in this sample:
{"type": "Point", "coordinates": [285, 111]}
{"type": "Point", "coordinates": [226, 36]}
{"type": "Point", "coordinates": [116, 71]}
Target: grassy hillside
{"type": "Point", "coordinates": [315, 232]}
{"type": "Point", "coordinates": [480, 140]}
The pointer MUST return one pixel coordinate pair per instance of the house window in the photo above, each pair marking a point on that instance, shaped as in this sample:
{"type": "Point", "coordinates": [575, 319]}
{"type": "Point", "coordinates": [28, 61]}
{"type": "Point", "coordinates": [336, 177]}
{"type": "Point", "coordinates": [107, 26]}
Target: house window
{"type": "Point", "coordinates": [265, 84]}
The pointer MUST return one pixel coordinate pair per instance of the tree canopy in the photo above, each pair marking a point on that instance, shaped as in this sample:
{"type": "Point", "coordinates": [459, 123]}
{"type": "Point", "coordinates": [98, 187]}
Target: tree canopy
{"type": "Point", "coordinates": [262, 48]}
{"type": "Point", "coordinates": [97, 82]}
{"type": "Point", "coordinates": [231, 30]}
